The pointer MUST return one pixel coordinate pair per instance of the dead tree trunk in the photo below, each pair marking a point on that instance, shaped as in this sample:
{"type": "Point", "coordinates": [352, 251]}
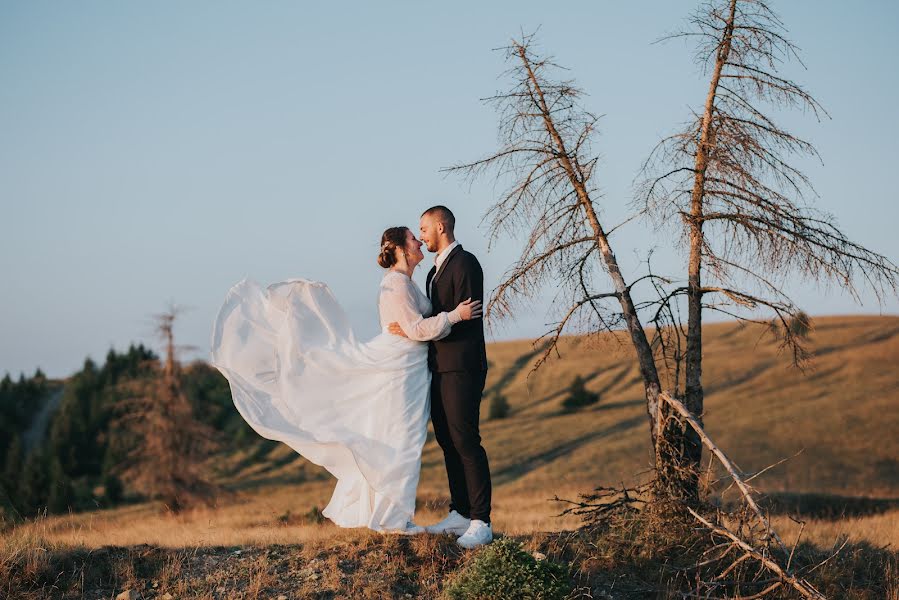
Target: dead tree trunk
{"type": "Point", "coordinates": [727, 181]}
{"type": "Point", "coordinates": [690, 447]}
{"type": "Point", "coordinates": [169, 444]}
{"type": "Point", "coordinates": [546, 137]}
{"type": "Point", "coordinates": [645, 359]}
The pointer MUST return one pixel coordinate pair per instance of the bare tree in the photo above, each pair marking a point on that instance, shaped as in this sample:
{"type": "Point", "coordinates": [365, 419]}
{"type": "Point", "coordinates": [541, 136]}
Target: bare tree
{"type": "Point", "coordinates": [545, 136]}
{"type": "Point", "coordinates": [726, 184]}
{"type": "Point", "coordinates": [167, 456]}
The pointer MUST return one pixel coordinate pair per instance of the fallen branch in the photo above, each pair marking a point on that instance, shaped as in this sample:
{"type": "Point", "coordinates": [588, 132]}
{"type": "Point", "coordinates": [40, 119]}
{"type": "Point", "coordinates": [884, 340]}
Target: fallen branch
{"type": "Point", "coordinates": [800, 585]}
{"type": "Point", "coordinates": [722, 458]}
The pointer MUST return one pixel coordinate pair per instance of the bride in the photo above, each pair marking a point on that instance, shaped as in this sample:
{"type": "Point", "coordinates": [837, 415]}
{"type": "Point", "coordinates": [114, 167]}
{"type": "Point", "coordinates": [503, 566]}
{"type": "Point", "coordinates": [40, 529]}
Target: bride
{"type": "Point", "coordinates": [359, 409]}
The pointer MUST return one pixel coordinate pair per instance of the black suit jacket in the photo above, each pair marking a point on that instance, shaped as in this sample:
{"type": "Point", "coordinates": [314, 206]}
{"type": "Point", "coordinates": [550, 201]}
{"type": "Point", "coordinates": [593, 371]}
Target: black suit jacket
{"type": "Point", "coordinates": [460, 277]}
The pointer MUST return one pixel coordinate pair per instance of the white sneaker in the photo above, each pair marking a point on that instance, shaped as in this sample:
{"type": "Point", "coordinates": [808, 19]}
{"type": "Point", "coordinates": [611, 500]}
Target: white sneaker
{"type": "Point", "coordinates": [411, 529]}
{"type": "Point", "coordinates": [454, 523]}
{"type": "Point", "coordinates": [478, 534]}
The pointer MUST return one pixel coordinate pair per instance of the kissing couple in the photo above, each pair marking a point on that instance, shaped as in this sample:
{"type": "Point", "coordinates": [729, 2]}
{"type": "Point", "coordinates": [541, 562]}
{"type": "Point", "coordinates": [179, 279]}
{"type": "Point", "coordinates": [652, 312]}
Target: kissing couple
{"type": "Point", "coordinates": [360, 409]}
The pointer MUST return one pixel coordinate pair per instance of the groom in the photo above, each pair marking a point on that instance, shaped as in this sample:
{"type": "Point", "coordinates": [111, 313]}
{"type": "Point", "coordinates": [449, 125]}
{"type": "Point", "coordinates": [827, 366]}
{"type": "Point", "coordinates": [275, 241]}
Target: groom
{"type": "Point", "coordinates": [458, 366]}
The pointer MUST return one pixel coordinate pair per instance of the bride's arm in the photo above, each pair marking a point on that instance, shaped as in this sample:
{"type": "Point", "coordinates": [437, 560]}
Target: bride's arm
{"type": "Point", "coordinates": [403, 309]}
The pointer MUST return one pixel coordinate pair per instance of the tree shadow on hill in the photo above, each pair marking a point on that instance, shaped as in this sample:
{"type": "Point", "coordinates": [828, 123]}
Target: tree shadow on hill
{"type": "Point", "coordinates": [617, 380]}
{"type": "Point", "coordinates": [530, 463]}
{"type": "Point", "coordinates": [249, 483]}
{"type": "Point", "coordinates": [825, 506]}
{"type": "Point", "coordinates": [741, 378]}
{"type": "Point", "coordinates": [262, 449]}
{"type": "Point", "coordinates": [604, 406]}
{"type": "Point", "coordinates": [811, 375]}
{"type": "Point", "coordinates": [266, 474]}
{"type": "Point", "coordinates": [516, 367]}
{"type": "Point", "coordinates": [873, 338]}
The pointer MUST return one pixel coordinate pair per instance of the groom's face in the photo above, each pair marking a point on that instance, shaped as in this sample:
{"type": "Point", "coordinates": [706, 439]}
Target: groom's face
{"type": "Point", "coordinates": [430, 230]}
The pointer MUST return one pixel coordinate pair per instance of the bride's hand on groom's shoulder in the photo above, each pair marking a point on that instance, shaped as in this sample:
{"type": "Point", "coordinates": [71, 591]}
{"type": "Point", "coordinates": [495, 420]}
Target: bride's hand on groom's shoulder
{"type": "Point", "coordinates": [395, 329]}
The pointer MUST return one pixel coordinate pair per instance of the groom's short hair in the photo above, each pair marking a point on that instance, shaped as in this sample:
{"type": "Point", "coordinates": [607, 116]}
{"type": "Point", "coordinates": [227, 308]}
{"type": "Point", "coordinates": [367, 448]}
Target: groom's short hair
{"type": "Point", "coordinates": [442, 214]}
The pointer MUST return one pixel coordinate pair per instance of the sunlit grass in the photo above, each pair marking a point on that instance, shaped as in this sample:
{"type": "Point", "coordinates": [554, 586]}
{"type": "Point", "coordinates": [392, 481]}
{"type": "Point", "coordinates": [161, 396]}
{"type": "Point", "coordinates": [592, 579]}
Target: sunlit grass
{"type": "Point", "coordinates": [838, 418]}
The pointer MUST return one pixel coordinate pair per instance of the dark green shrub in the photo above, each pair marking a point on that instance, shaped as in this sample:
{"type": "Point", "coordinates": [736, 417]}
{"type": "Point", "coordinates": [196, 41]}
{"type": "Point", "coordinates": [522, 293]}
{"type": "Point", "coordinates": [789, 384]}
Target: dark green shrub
{"type": "Point", "coordinates": [505, 570]}
{"type": "Point", "coordinates": [579, 396]}
{"type": "Point", "coordinates": [113, 489]}
{"type": "Point", "coordinates": [499, 407]}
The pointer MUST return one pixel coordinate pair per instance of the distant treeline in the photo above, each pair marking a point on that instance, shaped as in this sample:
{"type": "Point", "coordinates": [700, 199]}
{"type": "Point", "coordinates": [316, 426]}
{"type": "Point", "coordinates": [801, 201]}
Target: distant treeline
{"type": "Point", "coordinates": [75, 465]}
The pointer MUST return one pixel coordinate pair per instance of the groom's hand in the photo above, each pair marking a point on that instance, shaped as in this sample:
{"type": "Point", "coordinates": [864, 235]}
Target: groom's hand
{"type": "Point", "coordinates": [395, 329]}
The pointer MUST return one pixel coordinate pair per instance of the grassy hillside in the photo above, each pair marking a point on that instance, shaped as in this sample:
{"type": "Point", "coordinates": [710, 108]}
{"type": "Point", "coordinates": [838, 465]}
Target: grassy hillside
{"type": "Point", "coordinates": [840, 414]}
{"type": "Point", "coordinates": [837, 420]}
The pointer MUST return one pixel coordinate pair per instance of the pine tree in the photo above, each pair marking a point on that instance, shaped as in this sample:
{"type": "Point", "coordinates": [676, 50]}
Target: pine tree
{"type": "Point", "coordinates": [9, 514]}
{"type": "Point", "coordinates": [13, 464]}
{"type": "Point", "coordinates": [34, 484]}
{"type": "Point", "coordinates": [61, 493]}
{"type": "Point", "coordinates": [113, 490]}
{"type": "Point", "coordinates": [68, 433]}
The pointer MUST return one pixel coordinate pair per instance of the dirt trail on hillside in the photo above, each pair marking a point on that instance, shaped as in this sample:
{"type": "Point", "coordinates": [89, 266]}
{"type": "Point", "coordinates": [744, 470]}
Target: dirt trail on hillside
{"type": "Point", "coordinates": [34, 435]}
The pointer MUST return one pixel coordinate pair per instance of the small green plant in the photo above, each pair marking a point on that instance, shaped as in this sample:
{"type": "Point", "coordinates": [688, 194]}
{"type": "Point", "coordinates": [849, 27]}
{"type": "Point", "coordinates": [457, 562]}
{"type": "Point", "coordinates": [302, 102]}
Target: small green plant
{"type": "Point", "coordinates": [315, 516]}
{"type": "Point", "coordinates": [505, 570]}
{"type": "Point", "coordinates": [499, 407]}
{"type": "Point", "coordinates": [579, 396]}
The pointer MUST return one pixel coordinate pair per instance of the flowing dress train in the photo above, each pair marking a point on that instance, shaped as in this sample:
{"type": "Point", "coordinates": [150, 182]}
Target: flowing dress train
{"type": "Point", "coordinates": [298, 375]}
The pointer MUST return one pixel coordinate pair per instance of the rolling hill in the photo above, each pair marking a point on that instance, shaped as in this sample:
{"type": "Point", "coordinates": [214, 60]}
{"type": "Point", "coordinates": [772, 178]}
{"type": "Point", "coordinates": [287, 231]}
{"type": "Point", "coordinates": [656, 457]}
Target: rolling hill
{"type": "Point", "coordinates": [837, 421]}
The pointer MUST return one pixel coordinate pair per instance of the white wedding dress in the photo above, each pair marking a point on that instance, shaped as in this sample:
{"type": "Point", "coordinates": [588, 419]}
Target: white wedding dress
{"type": "Point", "coordinates": [359, 409]}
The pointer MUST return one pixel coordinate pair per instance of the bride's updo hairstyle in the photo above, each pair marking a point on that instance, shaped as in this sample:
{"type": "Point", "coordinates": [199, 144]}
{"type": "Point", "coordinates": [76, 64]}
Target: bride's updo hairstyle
{"type": "Point", "coordinates": [392, 238]}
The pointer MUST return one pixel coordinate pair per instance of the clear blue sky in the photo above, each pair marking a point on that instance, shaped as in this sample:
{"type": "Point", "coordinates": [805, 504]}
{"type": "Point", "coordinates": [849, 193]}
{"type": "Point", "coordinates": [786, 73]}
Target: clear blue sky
{"type": "Point", "coordinates": [162, 151]}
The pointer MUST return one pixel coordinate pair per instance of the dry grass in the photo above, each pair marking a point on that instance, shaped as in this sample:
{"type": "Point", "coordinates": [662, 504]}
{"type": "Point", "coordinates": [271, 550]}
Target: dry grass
{"type": "Point", "coordinates": [879, 530]}
{"type": "Point", "coordinates": [841, 415]}
{"type": "Point", "coordinates": [275, 515]}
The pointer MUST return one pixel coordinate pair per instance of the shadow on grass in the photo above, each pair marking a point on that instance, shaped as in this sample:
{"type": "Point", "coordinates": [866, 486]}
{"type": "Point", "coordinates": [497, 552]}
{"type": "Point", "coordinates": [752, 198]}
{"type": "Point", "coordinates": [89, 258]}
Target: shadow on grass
{"type": "Point", "coordinates": [618, 380]}
{"type": "Point", "coordinates": [262, 449]}
{"type": "Point", "coordinates": [825, 506]}
{"type": "Point", "coordinates": [529, 463]}
{"type": "Point", "coordinates": [514, 369]}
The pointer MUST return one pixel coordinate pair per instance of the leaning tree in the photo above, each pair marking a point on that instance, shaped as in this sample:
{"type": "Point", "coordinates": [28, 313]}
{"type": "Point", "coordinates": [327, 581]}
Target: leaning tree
{"type": "Point", "coordinates": [729, 185]}
{"type": "Point", "coordinates": [546, 154]}
{"type": "Point", "coordinates": [725, 182]}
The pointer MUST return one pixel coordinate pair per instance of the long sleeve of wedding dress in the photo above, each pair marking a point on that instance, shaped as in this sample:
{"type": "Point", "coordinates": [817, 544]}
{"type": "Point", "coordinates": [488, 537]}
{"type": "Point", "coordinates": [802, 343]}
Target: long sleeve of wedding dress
{"type": "Point", "coordinates": [401, 301]}
{"type": "Point", "coordinates": [359, 409]}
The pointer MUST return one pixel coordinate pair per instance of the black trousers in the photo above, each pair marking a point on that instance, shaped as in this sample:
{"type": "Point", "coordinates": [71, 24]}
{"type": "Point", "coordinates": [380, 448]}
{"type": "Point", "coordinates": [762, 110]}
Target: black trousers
{"type": "Point", "coordinates": [455, 412]}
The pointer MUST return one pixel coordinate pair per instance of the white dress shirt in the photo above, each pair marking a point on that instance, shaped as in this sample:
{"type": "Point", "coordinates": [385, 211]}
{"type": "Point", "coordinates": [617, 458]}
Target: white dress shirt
{"type": "Point", "coordinates": [438, 260]}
